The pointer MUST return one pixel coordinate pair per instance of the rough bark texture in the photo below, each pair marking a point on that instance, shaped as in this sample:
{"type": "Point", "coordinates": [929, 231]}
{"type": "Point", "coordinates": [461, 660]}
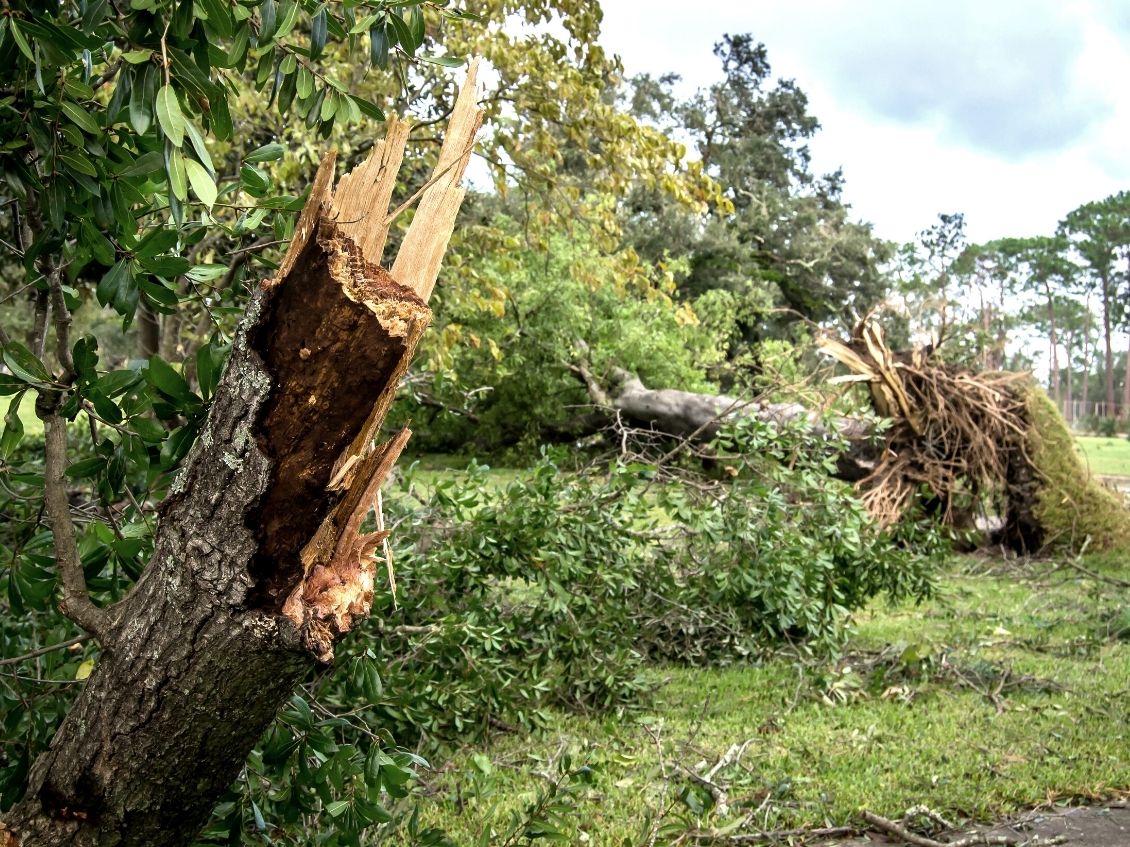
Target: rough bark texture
{"type": "Point", "coordinates": [259, 565]}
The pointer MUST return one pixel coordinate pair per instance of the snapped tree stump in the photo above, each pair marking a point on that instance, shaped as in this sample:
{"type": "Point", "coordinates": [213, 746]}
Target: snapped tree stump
{"type": "Point", "coordinates": [259, 566]}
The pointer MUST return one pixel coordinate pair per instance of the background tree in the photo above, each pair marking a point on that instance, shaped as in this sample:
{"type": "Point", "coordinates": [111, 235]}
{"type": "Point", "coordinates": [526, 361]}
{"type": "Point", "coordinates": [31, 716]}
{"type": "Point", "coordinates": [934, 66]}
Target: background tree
{"type": "Point", "coordinates": [1100, 233]}
{"type": "Point", "coordinates": [784, 245]}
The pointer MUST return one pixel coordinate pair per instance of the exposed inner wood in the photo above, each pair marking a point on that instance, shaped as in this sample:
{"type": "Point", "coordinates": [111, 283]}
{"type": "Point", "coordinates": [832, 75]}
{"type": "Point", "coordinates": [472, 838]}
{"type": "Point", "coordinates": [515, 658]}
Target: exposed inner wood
{"type": "Point", "coordinates": [336, 337]}
{"type": "Point", "coordinates": [421, 253]}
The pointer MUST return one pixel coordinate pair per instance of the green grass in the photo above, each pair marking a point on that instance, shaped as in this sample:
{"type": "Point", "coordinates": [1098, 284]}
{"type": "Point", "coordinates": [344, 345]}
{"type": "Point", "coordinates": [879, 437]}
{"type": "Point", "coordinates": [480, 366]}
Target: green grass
{"type": "Point", "coordinates": [1106, 456]}
{"type": "Point", "coordinates": [1007, 690]}
{"type": "Point", "coordinates": [33, 426]}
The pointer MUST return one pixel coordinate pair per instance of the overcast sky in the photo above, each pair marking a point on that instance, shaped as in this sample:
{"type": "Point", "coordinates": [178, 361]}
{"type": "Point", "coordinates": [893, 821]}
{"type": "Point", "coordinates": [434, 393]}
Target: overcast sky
{"type": "Point", "coordinates": [1011, 111]}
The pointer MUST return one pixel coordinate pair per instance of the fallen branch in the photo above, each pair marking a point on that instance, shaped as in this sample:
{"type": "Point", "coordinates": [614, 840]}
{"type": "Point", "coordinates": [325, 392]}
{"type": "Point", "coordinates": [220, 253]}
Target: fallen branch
{"type": "Point", "coordinates": [775, 836]}
{"type": "Point", "coordinates": [976, 840]}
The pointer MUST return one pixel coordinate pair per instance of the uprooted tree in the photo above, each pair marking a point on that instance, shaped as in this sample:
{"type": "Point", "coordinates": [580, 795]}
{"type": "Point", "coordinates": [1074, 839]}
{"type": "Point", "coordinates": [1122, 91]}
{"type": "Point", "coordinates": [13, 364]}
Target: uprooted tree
{"type": "Point", "coordinates": [962, 440]}
{"type": "Point", "coordinates": [959, 441]}
{"type": "Point", "coordinates": [260, 564]}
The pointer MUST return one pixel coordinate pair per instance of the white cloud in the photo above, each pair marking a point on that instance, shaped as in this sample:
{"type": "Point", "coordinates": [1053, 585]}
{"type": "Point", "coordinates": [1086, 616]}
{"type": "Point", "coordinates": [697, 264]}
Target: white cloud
{"type": "Point", "coordinates": [1011, 112]}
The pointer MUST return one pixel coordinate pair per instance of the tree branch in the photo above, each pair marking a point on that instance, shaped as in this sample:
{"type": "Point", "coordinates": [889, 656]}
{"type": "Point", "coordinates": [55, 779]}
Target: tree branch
{"type": "Point", "coordinates": [76, 603]}
{"type": "Point", "coordinates": [908, 837]}
{"type": "Point", "coordinates": [43, 651]}
{"type": "Point", "coordinates": [62, 319]}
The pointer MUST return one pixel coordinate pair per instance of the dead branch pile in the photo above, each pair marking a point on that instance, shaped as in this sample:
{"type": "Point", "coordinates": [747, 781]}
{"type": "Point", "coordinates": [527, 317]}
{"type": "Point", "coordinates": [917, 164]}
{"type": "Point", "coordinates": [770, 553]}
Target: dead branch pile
{"type": "Point", "coordinates": [954, 433]}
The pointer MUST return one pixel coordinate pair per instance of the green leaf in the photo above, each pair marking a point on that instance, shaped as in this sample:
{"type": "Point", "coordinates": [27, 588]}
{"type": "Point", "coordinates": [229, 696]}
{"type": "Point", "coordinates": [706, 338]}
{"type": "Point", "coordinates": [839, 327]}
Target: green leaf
{"type": "Point", "coordinates": [288, 17]}
{"type": "Point", "coordinates": [84, 354]}
{"type": "Point", "coordinates": [199, 146]}
{"type": "Point", "coordinates": [260, 824]}
{"type": "Point", "coordinates": [268, 20]}
{"type": "Point", "coordinates": [111, 281]}
{"type": "Point", "coordinates": [78, 162]}
{"type": "Point", "coordinates": [159, 294]}
{"type": "Point", "coordinates": [369, 109]}
{"type": "Point", "coordinates": [442, 61]}
{"type": "Point", "coordinates": [136, 57]}
{"type": "Point", "coordinates": [253, 180]}
{"type": "Point", "coordinates": [319, 29]}
{"type": "Point", "coordinates": [336, 808]}
{"type": "Point", "coordinates": [202, 185]}
{"type": "Point", "coordinates": [20, 40]}
{"type": "Point", "coordinates": [416, 26]}
{"type": "Point", "coordinates": [403, 33]}
{"type": "Point", "coordinates": [166, 266]}
{"type": "Point", "coordinates": [81, 117]}
{"type": "Point", "coordinates": [11, 384]}
{"type": "Point", "coordinates": [143, 165]}
{"type": "Point", "coordinates": [219, 17]}
{"type": "Point", "coordinates": [117, 382]}
{"type": "Point", "coordinates": [220, 115]}
{"type": "Point", "coordinates": [86, 468]}
{"type": "Point", "coordinates": [24, 364]}
{"type": "Point", "coordinates": [13, 428]}
{"type": "Point", "coordinates": [329, 106]}
{"type": "Point", "coordinates": [178, 180]}
{"type": "Point", "coordinates": [238, 49]}
{"type": "Point", "coordinates": [162, 376]}
{"type": "Point", "coordinates": [304, 86]}
{"type": "Point", "coordinates": [266, 153]}
{"type": "Point", "coordinates": [169, 115]}
{"type": "Point", "coordinates": [204, 273]}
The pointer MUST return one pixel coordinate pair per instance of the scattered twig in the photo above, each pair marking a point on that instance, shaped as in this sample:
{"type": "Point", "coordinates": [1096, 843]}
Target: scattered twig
{"type": "Point", "coordinates": [43, 651]}
{"type": "Point", "coordinates": [775, 836]}
{"type": "Point", "coordinates": [1098, 577]}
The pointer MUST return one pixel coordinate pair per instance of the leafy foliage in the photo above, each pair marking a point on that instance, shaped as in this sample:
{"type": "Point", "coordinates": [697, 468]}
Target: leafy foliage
{"type": "Point", "coordinates": [502, 377]}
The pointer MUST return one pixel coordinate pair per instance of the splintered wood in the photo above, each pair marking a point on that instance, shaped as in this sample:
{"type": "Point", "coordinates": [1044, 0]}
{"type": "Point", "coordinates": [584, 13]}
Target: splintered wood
{"type": "Point", "coordinates": [341, 233]}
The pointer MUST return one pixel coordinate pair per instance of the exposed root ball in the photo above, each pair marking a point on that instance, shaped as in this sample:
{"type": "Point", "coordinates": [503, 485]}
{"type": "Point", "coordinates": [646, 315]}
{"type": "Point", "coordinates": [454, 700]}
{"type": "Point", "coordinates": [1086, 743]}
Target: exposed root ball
{"type": "Point", "coordinates": [962, 439]}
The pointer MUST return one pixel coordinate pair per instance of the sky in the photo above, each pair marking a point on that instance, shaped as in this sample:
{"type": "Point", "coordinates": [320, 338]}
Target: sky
{"type": "Point", "coordinates": [1013, 112]}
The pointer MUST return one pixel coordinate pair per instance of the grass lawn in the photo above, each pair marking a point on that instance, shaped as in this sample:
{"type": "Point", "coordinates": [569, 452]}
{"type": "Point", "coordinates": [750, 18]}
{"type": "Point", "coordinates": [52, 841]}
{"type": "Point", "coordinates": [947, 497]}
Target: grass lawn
{"type": "Point", "coordinates": [1010, 689]}
{"type": "Point", "coordinates": [33, 426]}
{"type": "Point", "coordinates": [1106, 456]}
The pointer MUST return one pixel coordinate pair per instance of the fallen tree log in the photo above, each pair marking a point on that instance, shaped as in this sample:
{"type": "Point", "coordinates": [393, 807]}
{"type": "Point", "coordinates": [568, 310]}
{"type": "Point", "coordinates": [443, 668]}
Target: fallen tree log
{"type": "Point", "coordinates": [960, 443]}
{"type": "Point", "coordinates": [699, 417]}
{"type": "Point", "coordinates": [259, 565]}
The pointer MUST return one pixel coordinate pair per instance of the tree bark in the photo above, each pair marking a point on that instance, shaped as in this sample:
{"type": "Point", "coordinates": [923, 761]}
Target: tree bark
{"type": "Point", "coordinates": [148, 331]}
{"type": "Point", "coordinates": [259, 567]}
{"type": "Point", "coordinates": [1126, 380]}
{"type": "Point", "coordinates": [1088, 361]}
{"type": "Point", "coordinates": [1108, 358]}
{"type": "Point", "coordinates": [1053, 350]}
{"type": "Point", "coordinates": [699, 417]}
{"type": "Point", "coordinates": [1069, 352]}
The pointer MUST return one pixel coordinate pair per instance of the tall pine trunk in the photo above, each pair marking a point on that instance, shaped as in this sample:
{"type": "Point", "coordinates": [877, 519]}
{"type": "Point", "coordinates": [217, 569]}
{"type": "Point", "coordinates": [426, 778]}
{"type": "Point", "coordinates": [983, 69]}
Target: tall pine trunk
{"type": "Point", "coordinates": [1108, 352]}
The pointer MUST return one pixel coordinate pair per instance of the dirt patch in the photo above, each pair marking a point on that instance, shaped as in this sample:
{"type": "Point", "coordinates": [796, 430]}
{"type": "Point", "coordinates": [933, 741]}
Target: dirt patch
{"type": "Point", "coordinates": [1087, 826]}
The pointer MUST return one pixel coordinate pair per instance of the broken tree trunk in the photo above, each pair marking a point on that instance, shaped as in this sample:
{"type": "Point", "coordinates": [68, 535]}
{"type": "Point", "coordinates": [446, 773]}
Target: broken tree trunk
{"type": "Point", "coordinates": [259, 565]}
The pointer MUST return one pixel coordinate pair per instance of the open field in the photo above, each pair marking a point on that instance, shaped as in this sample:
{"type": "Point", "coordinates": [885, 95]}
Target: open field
{"type": "Point", "coordinates": [1009, 690]}
{"type": "Point", "coordinates": [1106, 456]}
